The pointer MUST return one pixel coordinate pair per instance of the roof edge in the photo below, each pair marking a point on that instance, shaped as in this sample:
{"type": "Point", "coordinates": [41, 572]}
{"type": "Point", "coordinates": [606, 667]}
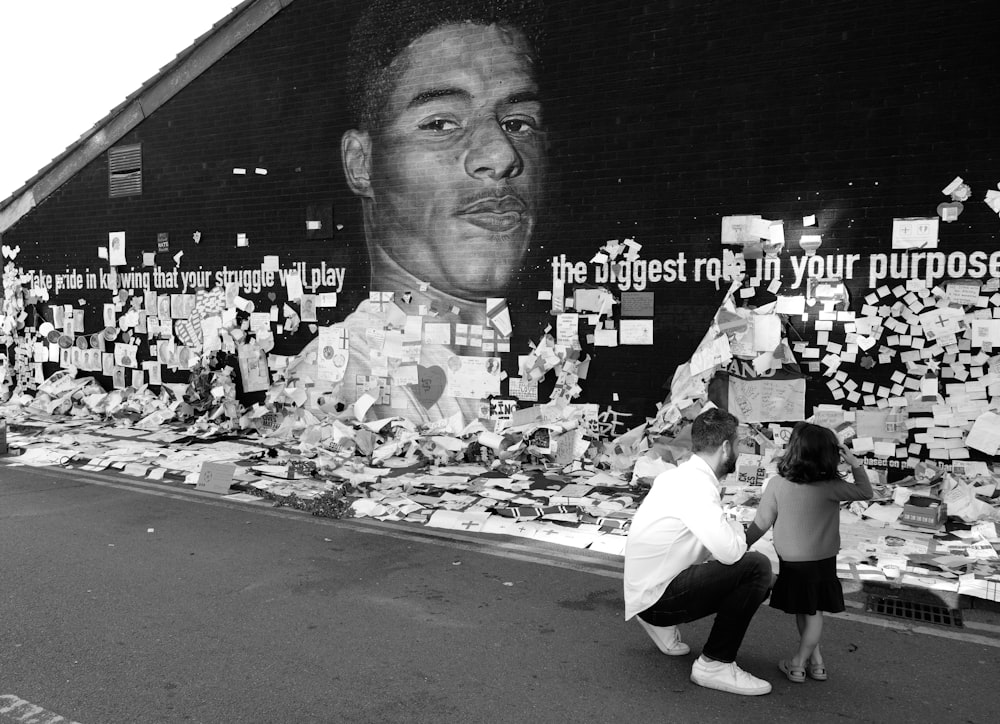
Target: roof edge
{"type": "Point", "coordinates": [241, 23]}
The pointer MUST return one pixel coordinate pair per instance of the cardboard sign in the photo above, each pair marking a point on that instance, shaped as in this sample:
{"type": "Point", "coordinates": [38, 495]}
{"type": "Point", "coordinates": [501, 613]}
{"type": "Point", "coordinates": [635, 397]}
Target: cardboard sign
{"type": "Point", "coordinates": [215, 477]}
{"type": "Point", "coordinates": [637, 304]}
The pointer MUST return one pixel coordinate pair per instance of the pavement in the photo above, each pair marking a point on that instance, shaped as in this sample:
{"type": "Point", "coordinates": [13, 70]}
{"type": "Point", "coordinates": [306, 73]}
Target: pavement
{"type": "Point", "coordinates": [130, 601]}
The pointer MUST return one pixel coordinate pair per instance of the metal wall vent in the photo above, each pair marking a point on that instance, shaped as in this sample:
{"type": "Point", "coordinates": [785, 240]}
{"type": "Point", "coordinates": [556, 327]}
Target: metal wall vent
{"type": "Point", "coordinates": [125, 170]}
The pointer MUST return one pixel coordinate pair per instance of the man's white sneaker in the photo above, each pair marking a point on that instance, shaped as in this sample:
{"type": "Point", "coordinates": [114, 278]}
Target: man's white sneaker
{"type": "Point", "coordinates": [727, 677]}
{"type": "Point", "coordinates": [666, 638]}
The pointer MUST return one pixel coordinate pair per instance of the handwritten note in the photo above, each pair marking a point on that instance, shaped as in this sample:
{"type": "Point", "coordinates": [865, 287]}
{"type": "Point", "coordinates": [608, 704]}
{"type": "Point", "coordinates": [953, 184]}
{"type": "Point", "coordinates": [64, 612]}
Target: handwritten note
{"type": "Point", "coordinates": [767, 400]}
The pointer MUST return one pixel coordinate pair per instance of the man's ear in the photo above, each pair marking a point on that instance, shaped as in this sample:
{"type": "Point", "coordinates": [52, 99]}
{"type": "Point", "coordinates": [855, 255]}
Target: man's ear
{"type": "Point", "coordinates": [355, 154]}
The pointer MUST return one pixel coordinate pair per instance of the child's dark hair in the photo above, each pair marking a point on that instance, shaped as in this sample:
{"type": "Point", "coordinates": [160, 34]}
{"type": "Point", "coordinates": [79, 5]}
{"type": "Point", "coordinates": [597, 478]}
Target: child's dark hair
{"type": "Point", "coordinates": [812, 455]}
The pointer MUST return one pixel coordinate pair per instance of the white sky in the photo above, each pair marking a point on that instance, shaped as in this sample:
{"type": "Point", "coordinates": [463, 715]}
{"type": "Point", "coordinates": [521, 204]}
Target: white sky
{"type": "Point", "coordinates": [64, 64]}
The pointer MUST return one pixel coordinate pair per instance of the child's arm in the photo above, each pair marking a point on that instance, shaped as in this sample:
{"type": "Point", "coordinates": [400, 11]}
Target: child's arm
{"type": "Point", "coordinates": [767, 512]}
{"type": "Point", "coordinates": [859, 473]}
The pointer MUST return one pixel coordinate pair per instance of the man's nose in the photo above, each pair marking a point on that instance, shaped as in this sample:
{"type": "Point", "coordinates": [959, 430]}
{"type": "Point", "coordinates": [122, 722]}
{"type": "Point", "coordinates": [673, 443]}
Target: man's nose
{"type": "Point", "coordinates": [491, 154]}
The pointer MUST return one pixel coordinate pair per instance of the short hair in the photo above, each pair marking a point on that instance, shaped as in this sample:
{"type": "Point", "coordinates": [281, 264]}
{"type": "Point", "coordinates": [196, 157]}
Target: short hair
{"type": "Point", "coordinates": [811, 456]}
{"type": "Point", "coordinates": [712, 428]}
{"type": "Point", "coordinates": [387, 27]}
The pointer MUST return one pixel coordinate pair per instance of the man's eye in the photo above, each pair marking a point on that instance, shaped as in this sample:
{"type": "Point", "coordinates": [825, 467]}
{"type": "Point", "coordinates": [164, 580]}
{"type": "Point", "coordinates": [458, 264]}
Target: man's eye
{"type": "Point", "coordinates": [438, 125]}
{"type": "Point", "coordinates": [518, 125]}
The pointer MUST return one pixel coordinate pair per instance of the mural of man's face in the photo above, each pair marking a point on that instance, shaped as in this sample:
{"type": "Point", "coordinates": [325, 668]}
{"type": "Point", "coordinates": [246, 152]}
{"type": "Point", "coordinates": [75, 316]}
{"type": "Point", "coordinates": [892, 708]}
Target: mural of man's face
{"type": "Point", "coordinates": [456, 171]}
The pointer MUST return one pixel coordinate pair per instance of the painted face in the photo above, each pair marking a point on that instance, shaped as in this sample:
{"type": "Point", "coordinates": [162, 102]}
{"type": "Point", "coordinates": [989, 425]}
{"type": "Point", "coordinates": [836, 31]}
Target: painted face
{"type": "Point", "coordinates": [458, 167]}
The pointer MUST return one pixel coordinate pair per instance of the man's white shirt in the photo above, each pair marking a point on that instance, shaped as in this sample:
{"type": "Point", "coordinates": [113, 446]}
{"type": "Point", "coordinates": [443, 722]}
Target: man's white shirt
{"type": "Point", "coordinates": [679, 524]}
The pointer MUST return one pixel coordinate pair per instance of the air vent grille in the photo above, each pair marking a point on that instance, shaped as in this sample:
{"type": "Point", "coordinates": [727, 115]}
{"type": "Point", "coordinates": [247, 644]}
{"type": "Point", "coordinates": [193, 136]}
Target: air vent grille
{"type": "Point", "coordinates": [125, 170]}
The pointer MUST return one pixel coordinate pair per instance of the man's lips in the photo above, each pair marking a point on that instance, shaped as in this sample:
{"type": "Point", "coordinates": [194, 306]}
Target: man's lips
{"type": "Point", "coordinates": [495, 214]}
{"type": "Point", "coordinates": [493, 221]}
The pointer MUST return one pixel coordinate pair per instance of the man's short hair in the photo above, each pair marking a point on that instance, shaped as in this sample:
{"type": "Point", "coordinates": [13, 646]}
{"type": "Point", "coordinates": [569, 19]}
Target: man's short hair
{"type": "Point", "coordinates": [387, 27]}
{"type": "Point", "coordinates": [712, 428]}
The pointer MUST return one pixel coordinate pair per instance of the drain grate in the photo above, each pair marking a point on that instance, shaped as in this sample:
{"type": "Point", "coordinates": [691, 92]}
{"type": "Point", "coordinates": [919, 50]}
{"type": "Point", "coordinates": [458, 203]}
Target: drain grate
{"type": "Point", "coordinates": [914, 610]}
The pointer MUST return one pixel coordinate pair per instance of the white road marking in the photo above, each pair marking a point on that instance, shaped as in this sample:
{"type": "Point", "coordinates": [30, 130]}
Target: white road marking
{"type": "Point", "coordinates": [13, 708]}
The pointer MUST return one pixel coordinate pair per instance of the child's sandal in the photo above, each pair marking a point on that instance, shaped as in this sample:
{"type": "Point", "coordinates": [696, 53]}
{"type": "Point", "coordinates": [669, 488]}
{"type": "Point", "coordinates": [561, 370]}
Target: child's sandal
{"type": "Point", "coordinates": [816, 672]}
{"type": "Point", "coordinates": [795, 674]}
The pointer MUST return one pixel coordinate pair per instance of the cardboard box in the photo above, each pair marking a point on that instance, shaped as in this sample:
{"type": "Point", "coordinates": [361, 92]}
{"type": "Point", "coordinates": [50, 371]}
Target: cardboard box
{"type": "Point", "coordinates": [924, 512]}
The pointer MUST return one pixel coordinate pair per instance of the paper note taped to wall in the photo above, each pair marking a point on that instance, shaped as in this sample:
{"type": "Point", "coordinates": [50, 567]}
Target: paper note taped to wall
{"type": "Point", "coordinates": [567, 326]}
{"type": "Point", "coordinates": [983, 332]}
{"type": "Point", "coordinates": [985, 433]}
{"type": "Point", "coordinates": [881, 424]}
{"type": "Point", "coordinates": [637, 304]}
{"type": "Point", "coordinates": [332, 353]}
{"type": "Point", "coordinates": [791, 305]}
{"type": "Point", "coordinates": [767, 400]}
{"type": "Point", "coordinates": [116, 248]}
{"type": "Point", "coordinates": [963, 292]}
{"type": "Point", "coordinates": [915, 233]}
{"type": "Point", "coordinates": [523, 389]}
{"type": "Point", "coordinates": [473, 377]}
{"type": "Point", "coordinates": [636, 331]}
{"type": "Point", "coordinates": [738, 229]}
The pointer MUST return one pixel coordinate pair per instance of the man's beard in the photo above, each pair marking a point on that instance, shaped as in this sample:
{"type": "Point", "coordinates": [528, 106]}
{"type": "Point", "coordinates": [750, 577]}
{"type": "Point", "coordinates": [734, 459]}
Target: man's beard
{"type": "Point", "coordinates": [730, 465]}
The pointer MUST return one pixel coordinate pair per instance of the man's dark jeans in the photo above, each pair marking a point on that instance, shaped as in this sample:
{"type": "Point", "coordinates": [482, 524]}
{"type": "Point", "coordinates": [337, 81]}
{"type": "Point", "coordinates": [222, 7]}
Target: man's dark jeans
{"type": "Point", "coordinates": [733, 593]}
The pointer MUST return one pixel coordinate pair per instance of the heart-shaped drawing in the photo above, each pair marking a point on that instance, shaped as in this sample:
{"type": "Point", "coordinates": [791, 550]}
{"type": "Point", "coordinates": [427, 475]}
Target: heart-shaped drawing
{"type": "Point", "coordinates": [431, 382]}
{"type": "Point", "coordinates": [949, 210]}
{"type": "Point", "coordinates": [272, 296]}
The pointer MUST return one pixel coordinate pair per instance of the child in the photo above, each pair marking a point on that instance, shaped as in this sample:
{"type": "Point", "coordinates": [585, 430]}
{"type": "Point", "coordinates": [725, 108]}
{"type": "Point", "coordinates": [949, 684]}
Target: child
{"type": "Point", "coordinates": [802, 502]}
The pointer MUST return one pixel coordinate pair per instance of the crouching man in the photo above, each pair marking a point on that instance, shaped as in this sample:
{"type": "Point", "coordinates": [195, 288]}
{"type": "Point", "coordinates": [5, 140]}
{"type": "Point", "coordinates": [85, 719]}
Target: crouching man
{"type": "Point", "coordinates": [685, 560]}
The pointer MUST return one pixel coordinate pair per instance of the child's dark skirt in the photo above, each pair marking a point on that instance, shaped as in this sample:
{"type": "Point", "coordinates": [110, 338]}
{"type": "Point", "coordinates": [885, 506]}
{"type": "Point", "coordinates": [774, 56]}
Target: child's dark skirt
{"type": "Point", "coordinates": [808, 587]}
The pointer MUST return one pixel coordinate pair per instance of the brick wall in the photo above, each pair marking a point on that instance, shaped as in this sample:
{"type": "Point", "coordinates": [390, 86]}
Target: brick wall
{"type": "Point", "coordinates": [664, 117]}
